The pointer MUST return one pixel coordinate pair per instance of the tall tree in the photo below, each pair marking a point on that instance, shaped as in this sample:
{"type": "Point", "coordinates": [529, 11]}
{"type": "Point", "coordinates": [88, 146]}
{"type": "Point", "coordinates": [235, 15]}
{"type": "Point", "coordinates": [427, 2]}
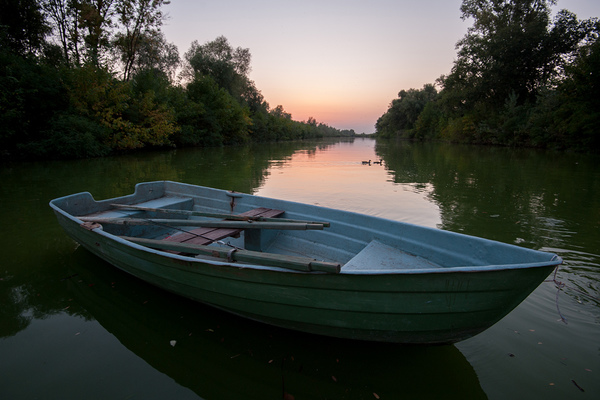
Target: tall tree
{"type": "Point", "coordinates": [83, 29]}
{"type": "Point", "coordinates": [138, 19]}
{"type": "Point", "coordinates": [155, 53]}
{"type": "Point", "coordinates": [512, 47]}
{"type": "Point", "coordinates": [96, 19]}
{"type": "Point", "coordinates": [59, 12]}
{"type": "Point", "coordinates": [23, 28]}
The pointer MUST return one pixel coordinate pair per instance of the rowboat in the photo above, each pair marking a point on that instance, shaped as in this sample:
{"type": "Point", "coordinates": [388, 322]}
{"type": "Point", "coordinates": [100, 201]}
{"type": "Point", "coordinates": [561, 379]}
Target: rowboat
{"type": "Point", "coordinates": [308, 268]}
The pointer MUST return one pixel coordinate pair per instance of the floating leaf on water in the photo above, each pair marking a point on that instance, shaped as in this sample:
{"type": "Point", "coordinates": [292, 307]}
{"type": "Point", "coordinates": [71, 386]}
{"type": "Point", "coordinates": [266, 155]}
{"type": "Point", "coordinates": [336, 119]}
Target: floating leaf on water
{"type": "Point", "coordinates": [173, 342]}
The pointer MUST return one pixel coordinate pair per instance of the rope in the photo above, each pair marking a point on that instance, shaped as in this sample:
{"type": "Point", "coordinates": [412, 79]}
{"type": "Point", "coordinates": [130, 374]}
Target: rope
{"type": "Point", "coordinates": [230, 254]}
{"type": "Point", "coordinates": [228, 244]}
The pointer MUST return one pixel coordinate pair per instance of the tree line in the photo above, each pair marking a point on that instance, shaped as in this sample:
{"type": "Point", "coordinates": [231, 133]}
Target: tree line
{"type": "Point", "coordinates": [88, 78]}
{"type": "Point", "coordinates": [521, 78]}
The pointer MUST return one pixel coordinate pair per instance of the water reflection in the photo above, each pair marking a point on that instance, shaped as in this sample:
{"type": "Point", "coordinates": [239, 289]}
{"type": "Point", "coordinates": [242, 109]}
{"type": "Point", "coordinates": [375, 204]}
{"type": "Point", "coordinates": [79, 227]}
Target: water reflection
{"type": "Point", "coordinates": [336, 177]}
{"type": "Point", "coordinates": [523, 191]}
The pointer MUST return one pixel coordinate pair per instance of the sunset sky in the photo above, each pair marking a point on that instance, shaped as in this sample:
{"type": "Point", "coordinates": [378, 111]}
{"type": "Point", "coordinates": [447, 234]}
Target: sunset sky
{"type": "Point", "coordinates": [339, 61]}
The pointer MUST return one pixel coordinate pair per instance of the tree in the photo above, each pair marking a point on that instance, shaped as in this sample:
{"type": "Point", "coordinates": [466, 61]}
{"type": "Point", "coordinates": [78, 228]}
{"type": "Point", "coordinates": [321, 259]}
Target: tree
{"type": "Point", "coordinates": [253, 98]}
{"type": "Point", "coordinates": [83, 29]}
{"type": "Point", "coordinates": [23, 28]}
{"type": "Point", "coordinates": [155, 53]}
{"type": "Point", "coordinates": [279, 112]}
{"type": "Point", "coordinates": [139, 20]}
{"type": "Point", "coordinates": [211, 116]}
{"type": "Point", "coordinates": [95, 17]}
{"type": "Point", "coordinates": [575, 116]}
{"type": "Point", "coordinates": [31, 93]}
{"type": "Point", "coordinates": [60, 13]}
{"type": "Point", "coordinates": [512, 47]}
{"type": "Point", "coordinates": [228, 67]}
{"type": "Point", "coordinates": [404, 111]}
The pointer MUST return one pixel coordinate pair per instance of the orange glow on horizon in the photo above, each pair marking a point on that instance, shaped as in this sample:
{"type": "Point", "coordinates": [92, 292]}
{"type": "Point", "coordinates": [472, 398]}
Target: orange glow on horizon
{"type": "Point", "coordinates": [337, 113]}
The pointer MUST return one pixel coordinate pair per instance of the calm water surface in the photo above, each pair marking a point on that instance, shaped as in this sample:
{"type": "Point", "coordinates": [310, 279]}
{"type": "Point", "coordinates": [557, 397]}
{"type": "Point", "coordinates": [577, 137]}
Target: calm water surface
{"type": "Point", "coordinates": [72, 327]}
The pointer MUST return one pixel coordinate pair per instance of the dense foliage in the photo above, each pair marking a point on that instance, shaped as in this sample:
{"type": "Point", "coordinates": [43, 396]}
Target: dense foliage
{"type": "Point", "coordinates": [86, 78]}
{"type": "Point", "coordinates": [521, 78]}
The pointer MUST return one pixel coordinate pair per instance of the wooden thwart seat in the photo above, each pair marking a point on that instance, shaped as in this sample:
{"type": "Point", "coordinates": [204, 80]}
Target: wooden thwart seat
{"type": "Point", "coordinates": [204, 236]}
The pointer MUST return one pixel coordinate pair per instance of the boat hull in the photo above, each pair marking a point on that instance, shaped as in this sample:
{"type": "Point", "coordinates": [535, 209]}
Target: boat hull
{"type": "Point", "coordinates": [424, 307]}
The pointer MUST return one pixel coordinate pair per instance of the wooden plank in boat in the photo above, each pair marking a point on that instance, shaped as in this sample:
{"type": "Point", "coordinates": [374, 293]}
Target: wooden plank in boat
{"type": "Point", "coordinates": [203, 236]}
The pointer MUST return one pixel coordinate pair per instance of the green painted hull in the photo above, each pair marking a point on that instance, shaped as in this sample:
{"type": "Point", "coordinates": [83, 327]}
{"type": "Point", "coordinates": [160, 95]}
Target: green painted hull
{"type": "Point", "coordinates": [450, 303]}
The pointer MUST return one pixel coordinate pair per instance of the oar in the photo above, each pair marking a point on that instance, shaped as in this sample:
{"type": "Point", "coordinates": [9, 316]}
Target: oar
{"type": "Point", "coordinates": [206, 224]}
{"type": "Point", "coordinates": [255, 257]}
{"type": "Point", "coordinates": [216, 215]}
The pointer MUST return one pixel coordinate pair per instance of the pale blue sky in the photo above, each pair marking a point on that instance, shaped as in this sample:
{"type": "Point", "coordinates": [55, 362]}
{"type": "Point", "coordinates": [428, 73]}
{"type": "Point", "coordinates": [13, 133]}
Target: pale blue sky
{"type": "Point", "coordinates": [341, 62]}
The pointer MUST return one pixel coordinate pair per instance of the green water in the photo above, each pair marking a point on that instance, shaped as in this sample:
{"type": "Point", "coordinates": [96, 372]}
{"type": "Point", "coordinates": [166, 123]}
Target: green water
{"type": "Point", "coordinates": [72, 327]}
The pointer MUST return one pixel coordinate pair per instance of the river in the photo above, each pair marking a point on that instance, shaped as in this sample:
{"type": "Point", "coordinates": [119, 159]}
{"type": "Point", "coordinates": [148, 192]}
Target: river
{"type": "Point", "coordinates": [72, 327]}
